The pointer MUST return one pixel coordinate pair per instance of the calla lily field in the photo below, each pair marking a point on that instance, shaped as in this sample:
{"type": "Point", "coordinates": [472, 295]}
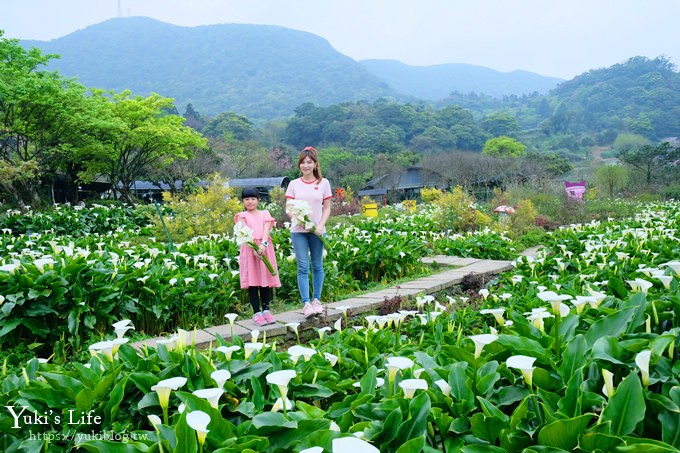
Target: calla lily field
{"type": "Point", "coordinates": [575, 349]}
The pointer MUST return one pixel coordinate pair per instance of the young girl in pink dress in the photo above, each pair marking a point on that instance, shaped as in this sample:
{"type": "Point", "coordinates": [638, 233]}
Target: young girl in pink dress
{"type": "Point", "coordinates": [255, 277]}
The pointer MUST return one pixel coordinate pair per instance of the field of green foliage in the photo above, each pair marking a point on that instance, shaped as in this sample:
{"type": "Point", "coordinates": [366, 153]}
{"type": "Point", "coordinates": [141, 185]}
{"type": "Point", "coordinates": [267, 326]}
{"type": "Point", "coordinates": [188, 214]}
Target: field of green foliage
{"type": "Point", "coordinates": [575, 350]}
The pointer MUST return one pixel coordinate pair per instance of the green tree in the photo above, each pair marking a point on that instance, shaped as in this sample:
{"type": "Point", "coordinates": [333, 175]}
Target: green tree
{"type": "Point", "coordinates": [500, 123]}
{"type": "Point", "coordinates": [552, 163]}
{"type": "Point", "coordinates": [45, 120]}
{"type": "Point", "coordinates": [229, 125]}
{"type": "Point", "coordinates": [504, 147]}
{"type": "Point", "coordinates": [651, 159]}
{"type": "Point", "coordinates": [345, 168]}
{"type": "Point", "coordinates": [138, 137]}
{"type": "Point", "coordinates": [246, 159]}
{"type": "Point", "coordinates": [194, 119]}
{"type": "Point", "coordinates": [612, 177]}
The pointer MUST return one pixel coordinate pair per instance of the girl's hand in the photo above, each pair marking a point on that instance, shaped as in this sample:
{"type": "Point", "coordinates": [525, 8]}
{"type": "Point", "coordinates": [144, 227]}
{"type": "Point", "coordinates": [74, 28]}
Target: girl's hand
{"type": "Point", "coordinates": [320, 230]}
{"type": "Point", "coordinates": [261, 250]}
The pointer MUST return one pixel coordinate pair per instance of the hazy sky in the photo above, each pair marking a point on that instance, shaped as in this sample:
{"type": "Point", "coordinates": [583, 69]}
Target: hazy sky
{"type": "Point", "coordinates": [560, 38]}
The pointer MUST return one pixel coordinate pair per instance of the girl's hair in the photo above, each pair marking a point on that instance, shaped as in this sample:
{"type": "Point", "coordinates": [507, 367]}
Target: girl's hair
{"type": "Point", "coordinates": [250, 192]}
{"type": "Point", "coordinates": [313, 154]}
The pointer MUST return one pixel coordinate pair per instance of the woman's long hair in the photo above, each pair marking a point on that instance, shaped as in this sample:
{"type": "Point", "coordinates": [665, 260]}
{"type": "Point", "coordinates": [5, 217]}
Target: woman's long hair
{"type": "Point", "coordinates": [313, 154]}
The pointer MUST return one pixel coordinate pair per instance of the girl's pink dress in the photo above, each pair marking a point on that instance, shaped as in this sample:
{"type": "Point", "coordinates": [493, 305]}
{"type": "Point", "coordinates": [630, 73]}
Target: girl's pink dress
{"type": "Point", "coordinates": [252, 270]}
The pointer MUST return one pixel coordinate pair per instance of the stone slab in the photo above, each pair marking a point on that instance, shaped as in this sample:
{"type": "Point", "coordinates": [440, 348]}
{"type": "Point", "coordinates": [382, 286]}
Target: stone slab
{"type": "Point", "coordinates": [201, 339]}
{"type": "Point", "coordinates": [453, 276]}
{"type": "Point", "coordinates": [290, 316]}
{"type": "Point", "coordinates": [424, 284]}
{"type": "Point", "coordinates": [224, 331]}
{"type": "Point", "coordinates": [489, 267]}
{"type": "Point", "coordinates": [271, 329]}
{"type": "Point", "coordinates": [450, 260]}
{"type": "Point", "coordinates": [532, 251]}
{"type": "Point", "coordinates": [391, 292]}
{"type": "Point", "coordinates": [465, 261]}
{"type": "Point", "coordinates": [358, 305]}
{"type": "Point", "coordinates": [149, 342]}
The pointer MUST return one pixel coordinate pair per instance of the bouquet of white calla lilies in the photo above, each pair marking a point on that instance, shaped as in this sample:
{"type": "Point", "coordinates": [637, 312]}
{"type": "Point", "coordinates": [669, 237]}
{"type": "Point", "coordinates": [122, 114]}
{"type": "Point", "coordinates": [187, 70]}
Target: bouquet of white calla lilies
{"type": "Point", "coordinates": [244, 235]}
{"type": "Point", "coordinates": [300, 213]}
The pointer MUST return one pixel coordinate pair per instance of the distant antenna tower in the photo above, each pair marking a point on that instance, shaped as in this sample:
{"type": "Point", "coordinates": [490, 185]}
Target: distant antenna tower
{"type": "Point", "coordinates": [120, 9]}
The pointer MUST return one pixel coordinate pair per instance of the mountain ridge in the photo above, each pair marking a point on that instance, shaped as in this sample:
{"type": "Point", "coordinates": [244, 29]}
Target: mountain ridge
{"type": "Point", "coordinates": [262, 71]}
{"type": "Point", "coordinates": [435, 82]}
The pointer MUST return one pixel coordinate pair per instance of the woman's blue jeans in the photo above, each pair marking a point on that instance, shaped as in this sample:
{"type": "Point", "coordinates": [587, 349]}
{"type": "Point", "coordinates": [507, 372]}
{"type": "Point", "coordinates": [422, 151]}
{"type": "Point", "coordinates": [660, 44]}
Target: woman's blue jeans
{"type": "Point", "coordinates": [308, 245]}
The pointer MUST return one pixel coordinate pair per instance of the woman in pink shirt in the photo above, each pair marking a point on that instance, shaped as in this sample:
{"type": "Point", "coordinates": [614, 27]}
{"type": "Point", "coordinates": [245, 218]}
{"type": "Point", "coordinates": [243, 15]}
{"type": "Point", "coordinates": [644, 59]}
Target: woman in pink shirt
{"type": "Point", "coordinates": [316, 191]}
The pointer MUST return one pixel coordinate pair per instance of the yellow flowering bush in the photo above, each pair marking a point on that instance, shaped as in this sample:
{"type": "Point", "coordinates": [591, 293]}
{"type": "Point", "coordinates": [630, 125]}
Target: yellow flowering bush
{"type": "Point", "coordinates": [524, 218]}
{"type": "Point", "coordinates": [430, 194]}
{"type": "Point", "coordinates": [458, 212]}
{"type": "Point", "coordinates": [209, 211]}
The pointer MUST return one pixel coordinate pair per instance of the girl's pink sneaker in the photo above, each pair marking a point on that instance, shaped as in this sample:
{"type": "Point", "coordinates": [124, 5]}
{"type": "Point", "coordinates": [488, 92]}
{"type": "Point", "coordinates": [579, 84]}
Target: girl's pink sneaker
{"type": "Point", "coordinates": [268, 317]}
{"type": "Point", "coordinates": [259, 319]}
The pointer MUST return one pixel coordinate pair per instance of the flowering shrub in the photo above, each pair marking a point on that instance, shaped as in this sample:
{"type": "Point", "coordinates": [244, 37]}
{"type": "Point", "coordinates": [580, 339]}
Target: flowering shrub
{"type": "Point", "coordinates": [458, 213]}
{"type": "Point", "coordinates": [430, 194]}
{"type": "Point", "coordinates": [210, 211]}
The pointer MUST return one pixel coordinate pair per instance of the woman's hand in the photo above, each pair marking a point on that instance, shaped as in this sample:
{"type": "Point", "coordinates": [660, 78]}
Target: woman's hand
{"type": "Point", "coordinates": [320, 229]}
{"type": "Point", "coordinates": [261, 250]}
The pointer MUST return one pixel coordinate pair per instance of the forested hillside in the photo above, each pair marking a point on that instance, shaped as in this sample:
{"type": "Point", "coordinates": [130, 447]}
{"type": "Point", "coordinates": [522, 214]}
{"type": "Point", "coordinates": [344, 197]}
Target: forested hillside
{"type": "Point", "coordinates": [640, 95]}
{"type": "Point", "coordinates": [261, 71]}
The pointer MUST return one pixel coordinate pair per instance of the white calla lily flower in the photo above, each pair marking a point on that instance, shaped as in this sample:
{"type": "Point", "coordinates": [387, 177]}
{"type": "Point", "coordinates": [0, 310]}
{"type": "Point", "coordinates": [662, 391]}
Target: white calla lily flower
{"type": "Point", "coordinates": [278, 405]}
{"type": "Point", "coordinates": [312, 450]}
{"type": "Point", "coordinates": [220, 377]}
{"type": "Point", "coordinates": [608, 388]}
{"type": "Point", "coordinates": [443, 386]}
{"type": "Point", "coordinates": [155, 420]}
{"type": "Point", "coordinates": [580, 302]}
{"type": "Point", "coordinates": [352, 445]}
{"type": "Point", "coordinates": [103, 347]}
{"type": "Point", "coordinates": [281, 379]}
{"type": "Point", "coordinates": [252, 347]}
{"type": "Point", "coordinates": [164, 387]}
{"type": "Point", "coordinates": [523, 363]}
{"type": "Point", "coordinates": [231, 317]}
{"type": "Point", "coordinates": [642, 361]}
{"type": "Point", "coordinates": [332, 359]}
{"type": "Point", "coordinates": [293, 326]}
{"type": "Point", "coordinates": [121, 327]}
{"type": "Point", "coordinates": [409, 386]}
{"type": "Point", "coordinates": [395, 364]}
{"type": "Point", "coordinates": [640, 285]}
{"type": "Point", "coordinates": [498, 314]}
{"type": "Point", "coordinates": [199, 421]}
{"type": "Point", "coordinates": [228, 350]}
{"type": "Point", "coordinates": [482, 340]}
{"type": "Point", "coordinates": [212, 395]}
{"type": "Point", "coordinates": [297, 351]}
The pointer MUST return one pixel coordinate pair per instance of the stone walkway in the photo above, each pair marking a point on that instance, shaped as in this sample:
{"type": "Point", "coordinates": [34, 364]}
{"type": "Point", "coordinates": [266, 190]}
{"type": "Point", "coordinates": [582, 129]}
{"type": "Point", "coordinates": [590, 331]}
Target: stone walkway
{"type": "Point", "coordinates": [460, 267]}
